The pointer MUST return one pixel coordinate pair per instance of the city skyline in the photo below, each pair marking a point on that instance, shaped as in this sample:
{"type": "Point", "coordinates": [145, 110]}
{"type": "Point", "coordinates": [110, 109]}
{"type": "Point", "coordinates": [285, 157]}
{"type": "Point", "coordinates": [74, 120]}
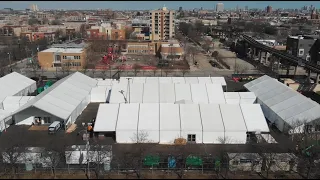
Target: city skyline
{"type": "Point", "coordinates": [144, 5]}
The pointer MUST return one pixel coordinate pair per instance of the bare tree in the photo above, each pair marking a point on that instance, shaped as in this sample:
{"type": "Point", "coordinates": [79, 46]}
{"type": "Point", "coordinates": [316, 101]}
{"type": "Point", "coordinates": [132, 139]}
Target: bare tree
{"type": "Point", "coordinates": [99, 155]}
{"type": "Point", "coordinates": [136, 69]}
{"type": "Point", "coordinates": [240, 68]}
{"type": "Point", "coordinates": [192, 51]}
{"type": "Point", "coordinates": [66, 69]}
{"type": "Point", "coordinates": [12, 156]}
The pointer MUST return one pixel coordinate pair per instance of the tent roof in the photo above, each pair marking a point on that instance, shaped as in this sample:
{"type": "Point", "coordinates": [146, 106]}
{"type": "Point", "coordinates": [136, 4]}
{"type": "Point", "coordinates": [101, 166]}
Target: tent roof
{"type": "Point", "coordinates": [167, 93]}
{"type": "Point", "coordinates": [136, 95]}
{"type": "Point", "coordinates": [190, 117]}
{"type": "Point", "coordinates": [151, 93]}
{"type": "Point", "coordinates": [199, 93]}
{"type": "Point", "coordinates": [169, 117]}
{"type": "Point", "coordinates": [13, 83]}
{"type": "Point", "coordinates": [254, 118]}
{"type": "Point", "coordinates": [128, 117]}
{"type": "Point", "coordinates": [149, 117]}
{"type": "Point", "coordinates": [63, 97]}
{"type": "Point", "coordinates": [116, 96]}
{"type": "Point", "coordinates": [176, 80]}
{"type": "Point", "coordinates": [215, 94]}
{"type": "Point", "coordinates": [232, 118]}
{"type": "Point", "coordinates": [183, 92]}
{"type": "Point", "coordinates": [211, 118]}
{"type": "Point", "coordinates": [107, 118]}
{"type": "Point", "coordinates": [288, 104]}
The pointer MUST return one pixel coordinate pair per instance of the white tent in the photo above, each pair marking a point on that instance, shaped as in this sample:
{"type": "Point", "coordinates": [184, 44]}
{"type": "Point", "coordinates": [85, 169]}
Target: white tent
{"type": "Point", "coordinates": [139, 80]}
{"type": "Point", "coordinates": [183, 92]}
{"type": "Point", "coordinates": [136, 93]}
{"type": "Point", "coordinates": [169, 123]}
{"type": "Point", "coordinates": [191, 80]}
{"type": "Point", "coordinates": [165, 122]}
{"type": "Point", "coordinates": [212, 123]}
{"type": "Point", "coordinates": [15, 84]}
{"type": "Point", "coordinates": [215, 94]}
{"type": "Point", "coordinates": [165, 80]}
{"type": "Point", "coordinates": [148, 127]}
{"type": "Point", "coordinates": [116, 96]}
{"type": "Point", "coordinates": [99, 93]}
{"type": "Point", "coordinates": [247, 97]}
{"type": "Point", "coordinates": [107, 117]}
{"type": "Point", "coordinates": [167, 93]}
{"type": "Point", "coordinates": [191, 125]}
{"type": "Point", "coordinates": [282, 105]}
{"type": "Point", "coordinates": [204, 80]}
{"type": "Point", "coordinates": [235, 127]}
{"type": "Point", "coordinates": [254, 118]}
{"type": "Point", "coordinates": [178, 80]}
{"type": "Point", "coordinates": [232, 97]}
{"type": "Point", "coordinates": [199, 93]}
{"type": "Point", "coordinates": [63, 101]}
{"type": "Point", "coordinates": [128, 118]}
{"type": "Point", "coordinates": [151, 93]}
{"type": "Point", "coordinates": [106, 82]}
{"type": "Point", "coordinates": [152, 80]}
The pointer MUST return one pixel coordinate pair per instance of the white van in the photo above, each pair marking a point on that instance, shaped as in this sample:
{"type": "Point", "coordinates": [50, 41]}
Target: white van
{"type": "Point", "coordinates": [54, 127]}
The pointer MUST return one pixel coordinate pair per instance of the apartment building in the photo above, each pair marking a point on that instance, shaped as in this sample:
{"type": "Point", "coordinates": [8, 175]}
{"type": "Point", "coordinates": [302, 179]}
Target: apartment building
{"type": "Point", "coordinates": [118, 34]}
{"type": "Point", "coordinates": [143, 48]}
{"type": "Point", "coordinates": [73, 58]}
{"type": "Point", "coordinates": [162, 24]}
{"type": "Point", "coordinates": [299, 46]}
{"type": "Point", "coordinates": [34, 36]}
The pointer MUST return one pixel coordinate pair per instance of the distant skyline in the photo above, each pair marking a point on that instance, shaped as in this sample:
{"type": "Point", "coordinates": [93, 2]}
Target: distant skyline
{"type": "Point", "coordinates": [146, 5]}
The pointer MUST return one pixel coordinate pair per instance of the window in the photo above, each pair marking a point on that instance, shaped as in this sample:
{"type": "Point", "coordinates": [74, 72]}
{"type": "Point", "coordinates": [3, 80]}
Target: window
{"type": "Point", "coordinates": [46, 120]}
{"type": "Point", "coordinates": [301, 52]}
{"type": "Point", "coordinates": [76, 57]}
{"type": "Point", "coordinates": [191, 138]}
{"type": "Point", "coordinates": [235, 162]}
{"type": "Point", "coordinates": [64, 57]}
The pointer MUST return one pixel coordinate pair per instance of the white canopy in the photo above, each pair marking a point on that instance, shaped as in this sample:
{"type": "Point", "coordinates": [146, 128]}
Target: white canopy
{"type": "Point", "coordinates": [281, 104]}
{"type": "Point", "coordinates": [66, 98]}
{"type": "Point", "coordinates": [15, 84]}
{"type": "Point", "coordinates": [107, 117]}
{"type": "Point", "coordinates": [199, 93]}
{"type": "Point", "coordinates": [164, 122]}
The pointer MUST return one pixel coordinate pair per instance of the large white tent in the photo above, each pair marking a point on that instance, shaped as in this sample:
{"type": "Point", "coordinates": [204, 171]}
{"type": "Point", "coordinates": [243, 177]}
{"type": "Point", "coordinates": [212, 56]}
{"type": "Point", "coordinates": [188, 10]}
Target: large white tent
{"type": "Point", "coordinates": [15, 84]}
{"type": "Point", "coordinates": [100, 93]}
{"type": "Point", "coordinates": [165, 122]}
{"type": "Point", "coordinates": [191, 124]}
{"type": "Point", "coordinates": [282, 105]}
{"type": "Point", "coordinates": [148, 126]}
{"type": "Point", "coordinates": [127, 124]}
{"type": "Point", "coordinates": [234, 124]}
{"type": "Point", "coordinates": [63, 101]}
{"type": "Point", "coordinates": [212, 123]}
{"type": "Point", "coordinates": [169, 123]}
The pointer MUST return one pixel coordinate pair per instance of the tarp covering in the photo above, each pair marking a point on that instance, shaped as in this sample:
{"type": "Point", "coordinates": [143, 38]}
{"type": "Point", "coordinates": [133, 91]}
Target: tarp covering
{"type": "Point", "coordinates": [282, 105]}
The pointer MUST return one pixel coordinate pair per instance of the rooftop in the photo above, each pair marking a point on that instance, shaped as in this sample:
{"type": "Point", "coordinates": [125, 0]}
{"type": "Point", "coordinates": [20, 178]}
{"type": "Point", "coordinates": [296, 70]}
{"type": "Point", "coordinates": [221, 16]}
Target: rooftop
{"type": "Point", "coordinates": [64, 50]}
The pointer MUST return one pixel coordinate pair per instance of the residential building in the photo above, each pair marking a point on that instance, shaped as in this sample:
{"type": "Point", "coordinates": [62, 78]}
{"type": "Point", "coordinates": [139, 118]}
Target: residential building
{"type": "Point", "coordinates": [118, 34]}
{"type": "Point", "coordinates": [269, 9]}
{"type": "Point", "coordinates": [315, 52]}
{"type": "Point", "coordinates": [34, 36]}
{"type": "Point", "coordinates": [92, 33]}
{"type": "Point", "coordinates": [73, 58]}
{"type": "Point", "coordinates": [299, 46]}
{"type": "Point", "coordinates": [171, 51]}
{"type": "Point", "coordinates": [162, 24]}
{"type": "Point", "coordinates": [143, 48]}
{"type": "Point", "coordinates": [219, 7]}
{"type": "Point", "coordinates": [34, 7]}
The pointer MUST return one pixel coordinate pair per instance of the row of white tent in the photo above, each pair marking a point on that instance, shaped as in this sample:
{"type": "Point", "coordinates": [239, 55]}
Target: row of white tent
{"type": "Point", "coordinates": [169, 93]}
{"type": "Point", "coordinates": [163, 123]}
{"type": "Point", "coordinates": [282, 105]}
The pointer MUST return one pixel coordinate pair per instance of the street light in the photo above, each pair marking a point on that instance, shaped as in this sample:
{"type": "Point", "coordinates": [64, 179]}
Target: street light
{"type": "Point", "coordinates": [129, 88]}
{"type": "Point", "coordinates": [9, 59]}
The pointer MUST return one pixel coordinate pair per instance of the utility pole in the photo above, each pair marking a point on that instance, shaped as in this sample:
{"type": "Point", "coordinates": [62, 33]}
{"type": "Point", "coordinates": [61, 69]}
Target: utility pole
{"type": "Point", "coordinates": [9, 59]}
{"type": "Point", "coordinates": [129, 88]}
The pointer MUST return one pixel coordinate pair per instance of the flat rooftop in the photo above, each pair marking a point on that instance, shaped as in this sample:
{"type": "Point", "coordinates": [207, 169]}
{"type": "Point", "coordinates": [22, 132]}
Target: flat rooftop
{"type": "Point", "coordinates": [64, 50]}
